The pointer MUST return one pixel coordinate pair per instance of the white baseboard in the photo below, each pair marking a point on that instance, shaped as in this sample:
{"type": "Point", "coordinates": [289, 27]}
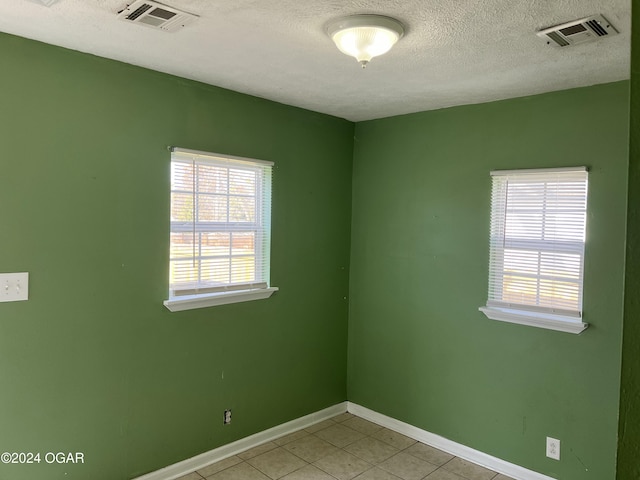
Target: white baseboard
{"type": "Point", "coordinates": [441, 443]}
{"type": "Point", "coordinates": [199, 461]}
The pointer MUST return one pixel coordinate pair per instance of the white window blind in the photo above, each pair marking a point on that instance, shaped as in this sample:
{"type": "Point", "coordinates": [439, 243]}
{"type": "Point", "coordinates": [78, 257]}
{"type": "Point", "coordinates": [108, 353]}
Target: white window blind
{"type": "Point", "coordinates": [220, 223]}
{"type": "Point", "coordinates": [538, 222]}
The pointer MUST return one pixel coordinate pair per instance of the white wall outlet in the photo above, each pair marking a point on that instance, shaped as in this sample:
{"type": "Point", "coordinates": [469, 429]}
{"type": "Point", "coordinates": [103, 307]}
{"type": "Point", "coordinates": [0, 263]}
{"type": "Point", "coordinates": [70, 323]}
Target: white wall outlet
{"type": "Point", "coordinates": [227, 417]}
{"type": "Point", "coordinates": [553, 448]}
{"type": "Point", "coordinates": [14, 287]}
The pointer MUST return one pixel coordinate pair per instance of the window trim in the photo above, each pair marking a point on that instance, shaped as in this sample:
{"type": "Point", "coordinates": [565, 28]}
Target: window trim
{"type": "Point", "coordinates": [260, 289]}
{"type": "Point", "coordinates": [530, 315]}
{"type": "Point", "coordinates": [560, 323]}
{"type": "Point", "coordinates": [190, 302]}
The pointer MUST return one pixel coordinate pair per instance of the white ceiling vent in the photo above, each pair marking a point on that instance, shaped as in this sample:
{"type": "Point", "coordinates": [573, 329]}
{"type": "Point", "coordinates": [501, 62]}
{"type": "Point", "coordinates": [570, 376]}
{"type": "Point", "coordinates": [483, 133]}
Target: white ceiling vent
{"type": "Point", "coordinates": [578, 31]}
{"type": "Point", "coordinates": [156, 15]}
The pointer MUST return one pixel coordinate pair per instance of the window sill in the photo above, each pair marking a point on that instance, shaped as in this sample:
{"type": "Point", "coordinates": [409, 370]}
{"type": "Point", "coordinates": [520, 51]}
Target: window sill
{"type": "Point", "coordinates": [190, 302]}
{"type": "Point", "coordinates": [559, 323]}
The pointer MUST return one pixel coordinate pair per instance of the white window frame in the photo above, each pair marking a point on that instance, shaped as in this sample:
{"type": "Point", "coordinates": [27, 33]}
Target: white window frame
{"type": "Point", "coordinates": [497, 308]}
{"type": "Point", "coordinates": [187, 297]}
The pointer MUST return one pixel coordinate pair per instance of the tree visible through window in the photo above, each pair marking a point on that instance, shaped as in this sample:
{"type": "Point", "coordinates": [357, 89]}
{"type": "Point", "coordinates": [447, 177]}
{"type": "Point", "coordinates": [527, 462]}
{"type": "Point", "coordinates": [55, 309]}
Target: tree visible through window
{"type": "Point", "coordinates": [220, 223]}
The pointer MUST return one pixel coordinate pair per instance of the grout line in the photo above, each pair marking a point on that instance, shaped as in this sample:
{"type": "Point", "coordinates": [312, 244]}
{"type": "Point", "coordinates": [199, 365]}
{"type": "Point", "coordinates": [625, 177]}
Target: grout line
{"type": "Point", "coordinates": [342, 448]}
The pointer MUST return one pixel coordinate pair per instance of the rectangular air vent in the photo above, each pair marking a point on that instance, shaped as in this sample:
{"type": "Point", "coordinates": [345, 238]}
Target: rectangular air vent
{"type": "Point", "coordinates": [156, 15]}
{"type": "Point", "coordinates": [578, 31]}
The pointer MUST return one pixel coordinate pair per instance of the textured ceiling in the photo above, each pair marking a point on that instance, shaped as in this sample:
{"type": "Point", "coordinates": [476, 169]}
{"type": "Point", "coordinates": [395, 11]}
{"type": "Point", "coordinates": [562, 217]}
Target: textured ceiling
{"type": "Point", "coordinates": [454, 51]}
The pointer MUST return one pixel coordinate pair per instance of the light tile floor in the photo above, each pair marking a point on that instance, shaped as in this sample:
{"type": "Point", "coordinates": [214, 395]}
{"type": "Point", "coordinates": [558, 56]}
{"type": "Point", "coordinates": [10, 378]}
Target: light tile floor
{"type": "Point", "coordinates": [345, 447]}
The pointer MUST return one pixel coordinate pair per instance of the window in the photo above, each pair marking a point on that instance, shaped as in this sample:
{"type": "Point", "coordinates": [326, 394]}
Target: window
{"type": "Point", "coordinates": [536, 259]}
{"type": "Point", "coordinates": [220, 230]}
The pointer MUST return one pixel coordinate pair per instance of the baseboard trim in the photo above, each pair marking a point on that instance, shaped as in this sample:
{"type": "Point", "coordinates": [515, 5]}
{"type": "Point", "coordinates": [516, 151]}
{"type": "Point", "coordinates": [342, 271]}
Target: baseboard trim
{"type": "Point", "coordinates": [436, 441]}
{"type": "Point", "coordinates": [199, 461]}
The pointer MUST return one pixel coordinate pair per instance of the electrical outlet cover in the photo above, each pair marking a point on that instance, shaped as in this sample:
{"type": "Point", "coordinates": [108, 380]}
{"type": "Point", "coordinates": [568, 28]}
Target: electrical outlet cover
{"type": "Point", "coordinates": [553, 448]}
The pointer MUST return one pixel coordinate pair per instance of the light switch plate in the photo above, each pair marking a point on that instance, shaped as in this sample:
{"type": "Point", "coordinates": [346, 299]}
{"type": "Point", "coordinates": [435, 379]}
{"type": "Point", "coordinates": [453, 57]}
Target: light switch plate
{"type": "Point", "coordinates": [14, 287]}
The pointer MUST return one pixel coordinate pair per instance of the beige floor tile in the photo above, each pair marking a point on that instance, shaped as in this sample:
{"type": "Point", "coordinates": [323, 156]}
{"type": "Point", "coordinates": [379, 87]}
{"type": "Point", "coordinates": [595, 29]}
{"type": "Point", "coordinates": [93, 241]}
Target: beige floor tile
{"type": "Point", "coordinates": [320, 426]}
{"type": "Point", "coordinates": [241, 471]}
{"type": "Point", "coordinates": [219, 466]}
{"type": "Point", "coordinates": [377, 474]}
{"type": "Point", "coordinates": [344, 447]}
{"type": "Point", "coordinates": [259, 450]}
{"type": "Point", "coordinates": [191, 476]}
{"type": "Point", "coordinates": [342, 465]}
{"type": "Point", "coordinates": [343, 416]}
{"type": "Point", "coordinates": [371, 450]}
{"type": "Point", "coordinates": [291, 437]}
{"type": "Point", "coordinates": [429, 454]}
{"type": "Point", "coordinates": [393, 438]}
{"type": "Point", "coordinates": [442, 474]}
{"type": "Point", "coordinates": [469, 470]}
{"type": "Point", "coordinates": [407, 466]}
{"type": "Point", "coordinates": [276, 463]}
{"type": "Point", "coordinates": [361, 425]}
{"type": "Point", "coordinates": [310, 448]}
{"type": "Point", "coordinates": [308, 473]}
{"type": "Point", "coordinates": [339, 435]}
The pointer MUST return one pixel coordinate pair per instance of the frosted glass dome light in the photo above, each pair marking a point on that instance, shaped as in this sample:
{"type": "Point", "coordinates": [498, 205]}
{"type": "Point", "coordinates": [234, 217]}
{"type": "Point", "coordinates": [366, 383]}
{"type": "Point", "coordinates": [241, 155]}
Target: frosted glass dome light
{"type": "Point", "coordinates": [365, 36]}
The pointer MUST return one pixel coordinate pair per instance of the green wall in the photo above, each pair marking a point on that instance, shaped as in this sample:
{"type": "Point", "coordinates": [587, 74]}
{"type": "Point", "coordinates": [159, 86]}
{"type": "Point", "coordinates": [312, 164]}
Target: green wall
{"type": "Point", "coordinates": [629, 432]}
{"type": "Point", "coordinates": [93, 362]}
{"type": "Point", "coordinates": [419, 349]}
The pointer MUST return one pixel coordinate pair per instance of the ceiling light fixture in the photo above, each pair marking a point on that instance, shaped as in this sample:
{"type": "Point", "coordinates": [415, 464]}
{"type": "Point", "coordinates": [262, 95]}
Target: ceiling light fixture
{"type": "Point", "coordinates": [365, 36]}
